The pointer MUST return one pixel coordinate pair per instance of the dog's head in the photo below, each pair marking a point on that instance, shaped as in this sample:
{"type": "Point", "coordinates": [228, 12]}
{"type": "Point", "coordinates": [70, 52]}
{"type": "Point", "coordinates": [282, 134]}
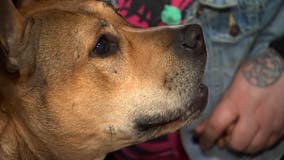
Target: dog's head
{"type": "Point", "coordinates": [81, 81]}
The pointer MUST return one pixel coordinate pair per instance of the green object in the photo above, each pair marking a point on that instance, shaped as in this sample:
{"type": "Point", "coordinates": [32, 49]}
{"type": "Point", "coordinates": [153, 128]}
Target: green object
{"type": "Point", "coordinates": [171, 15]}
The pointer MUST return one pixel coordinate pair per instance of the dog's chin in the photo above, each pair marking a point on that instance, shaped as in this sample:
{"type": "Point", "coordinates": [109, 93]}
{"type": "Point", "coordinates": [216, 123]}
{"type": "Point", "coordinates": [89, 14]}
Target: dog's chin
{"type": "Point", "coordinates": [160, 124]}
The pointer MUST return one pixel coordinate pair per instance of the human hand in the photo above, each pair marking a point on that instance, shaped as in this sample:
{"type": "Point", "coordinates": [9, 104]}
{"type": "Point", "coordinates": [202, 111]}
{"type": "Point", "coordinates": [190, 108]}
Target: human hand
{"type": "Point", "coordinates": [250, 116]}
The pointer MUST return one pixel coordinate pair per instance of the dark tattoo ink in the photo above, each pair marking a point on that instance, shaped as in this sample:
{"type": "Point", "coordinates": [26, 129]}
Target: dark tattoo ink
{"type": "Point", "coordinates": [265, 70]}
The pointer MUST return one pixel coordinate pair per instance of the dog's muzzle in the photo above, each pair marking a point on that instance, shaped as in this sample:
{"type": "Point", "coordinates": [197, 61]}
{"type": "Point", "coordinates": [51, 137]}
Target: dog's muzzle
{"type": "Point", "coordinates": [189, 48]}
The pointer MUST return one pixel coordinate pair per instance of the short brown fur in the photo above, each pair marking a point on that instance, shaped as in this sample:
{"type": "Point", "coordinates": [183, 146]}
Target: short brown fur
{"type": "Point", "coordinates": [57, 102]}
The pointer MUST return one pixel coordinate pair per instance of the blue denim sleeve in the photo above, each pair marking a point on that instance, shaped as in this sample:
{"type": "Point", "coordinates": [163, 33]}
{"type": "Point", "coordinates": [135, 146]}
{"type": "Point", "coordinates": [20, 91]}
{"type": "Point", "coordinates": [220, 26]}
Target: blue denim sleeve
{"type": "Point", "coordinates": [259, 22]}
{"type": "Point", "coordinates": [272, 28]}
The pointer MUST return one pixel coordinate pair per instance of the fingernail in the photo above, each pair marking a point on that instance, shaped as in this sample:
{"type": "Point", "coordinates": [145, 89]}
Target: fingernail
{"type": "Point", "coordinates": [221, 143]}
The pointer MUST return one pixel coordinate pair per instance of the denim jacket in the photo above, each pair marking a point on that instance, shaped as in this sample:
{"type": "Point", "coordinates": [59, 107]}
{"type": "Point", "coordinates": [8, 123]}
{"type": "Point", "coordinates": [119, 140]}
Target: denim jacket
{"type": "Point", "coordinates": [257, 23]}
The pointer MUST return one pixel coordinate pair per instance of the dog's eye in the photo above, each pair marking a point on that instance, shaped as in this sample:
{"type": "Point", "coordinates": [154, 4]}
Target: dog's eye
{"type": "Point", "coordinates": [105, 46]}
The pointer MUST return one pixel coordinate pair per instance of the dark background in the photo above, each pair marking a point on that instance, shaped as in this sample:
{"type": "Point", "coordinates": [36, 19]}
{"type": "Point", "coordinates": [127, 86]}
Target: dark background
{"type": "Point", "coordinates": [278, 45]}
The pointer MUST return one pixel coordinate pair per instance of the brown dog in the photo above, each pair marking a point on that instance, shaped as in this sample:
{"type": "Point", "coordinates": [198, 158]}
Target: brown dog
{"type": "Point", "coordinates": [78, 82]}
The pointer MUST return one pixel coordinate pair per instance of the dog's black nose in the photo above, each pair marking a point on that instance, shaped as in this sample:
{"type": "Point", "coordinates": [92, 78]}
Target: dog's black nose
{"type": "Point", "coordinates": [193, 37]}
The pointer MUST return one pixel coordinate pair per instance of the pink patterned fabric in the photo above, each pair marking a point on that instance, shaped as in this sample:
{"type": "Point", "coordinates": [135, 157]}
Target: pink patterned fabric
{"type": "Point", "coordinates": [167, 147]}
{"type": "Point", "coordinates": [147, 13]}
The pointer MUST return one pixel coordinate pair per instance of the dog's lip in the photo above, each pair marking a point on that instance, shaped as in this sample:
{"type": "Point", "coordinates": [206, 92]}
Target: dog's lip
{"type": "Point", "coordinates": [197, 105]}
{"type": "Point", "coordinates": [158, 123]}
{"type": "Point", "coordinates": [200, 100]}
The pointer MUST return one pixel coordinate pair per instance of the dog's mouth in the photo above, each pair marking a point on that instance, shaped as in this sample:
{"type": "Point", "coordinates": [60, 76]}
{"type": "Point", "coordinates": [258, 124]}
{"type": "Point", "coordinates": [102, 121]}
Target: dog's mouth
{"type": "Point", "coordinates": [186, 114]}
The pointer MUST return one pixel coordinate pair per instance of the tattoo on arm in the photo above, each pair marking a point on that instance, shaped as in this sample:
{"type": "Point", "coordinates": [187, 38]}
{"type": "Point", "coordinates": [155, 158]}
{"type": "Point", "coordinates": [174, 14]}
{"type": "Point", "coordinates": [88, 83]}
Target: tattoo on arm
{"type": "Point", "coordinates": [264, 70]}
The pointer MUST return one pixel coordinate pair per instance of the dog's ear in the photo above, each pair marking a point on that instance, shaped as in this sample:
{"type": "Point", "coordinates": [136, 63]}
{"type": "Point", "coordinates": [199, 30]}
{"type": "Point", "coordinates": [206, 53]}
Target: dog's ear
{"type": "Point", "coordinates": [11, 30]}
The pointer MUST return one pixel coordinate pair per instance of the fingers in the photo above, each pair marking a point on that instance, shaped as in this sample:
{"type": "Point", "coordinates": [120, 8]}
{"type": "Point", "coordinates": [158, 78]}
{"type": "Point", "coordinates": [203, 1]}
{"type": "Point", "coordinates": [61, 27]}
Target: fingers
{"type": "Point", "coordinates": [275, 136]}
{"type": "Point", "coordinates": [242, 134]}
{"type": "Point", "coordinates": [211, 130]}
{"type": "Point", "coordinates": [269, 131]}
{"type": "Point", "coordinates": [272, 140]}
{"type": "Point", "coordinates": [222, 141]}
{"type": "Point", "coordinates": [200, 128]}
{"type": "Point", "coordinates": [255, 132]}
{"type": "Point", "coordinates": [259, 142]}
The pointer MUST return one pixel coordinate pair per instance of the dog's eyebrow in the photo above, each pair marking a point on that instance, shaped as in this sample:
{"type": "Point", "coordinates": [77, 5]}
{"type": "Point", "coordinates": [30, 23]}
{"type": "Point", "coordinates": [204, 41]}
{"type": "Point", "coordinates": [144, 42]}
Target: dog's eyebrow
{"type": "Point", "coordinates": [87, 13]}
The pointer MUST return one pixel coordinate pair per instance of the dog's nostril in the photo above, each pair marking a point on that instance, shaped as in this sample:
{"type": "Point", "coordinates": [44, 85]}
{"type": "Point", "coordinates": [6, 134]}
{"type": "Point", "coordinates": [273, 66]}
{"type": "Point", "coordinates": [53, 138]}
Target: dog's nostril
{"type": "Point", "coordinates": [190, 44]}
{"type": "Point", "coordinates": [199, 37]}
{"type": "Point", "coordinates": [192, 37]}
